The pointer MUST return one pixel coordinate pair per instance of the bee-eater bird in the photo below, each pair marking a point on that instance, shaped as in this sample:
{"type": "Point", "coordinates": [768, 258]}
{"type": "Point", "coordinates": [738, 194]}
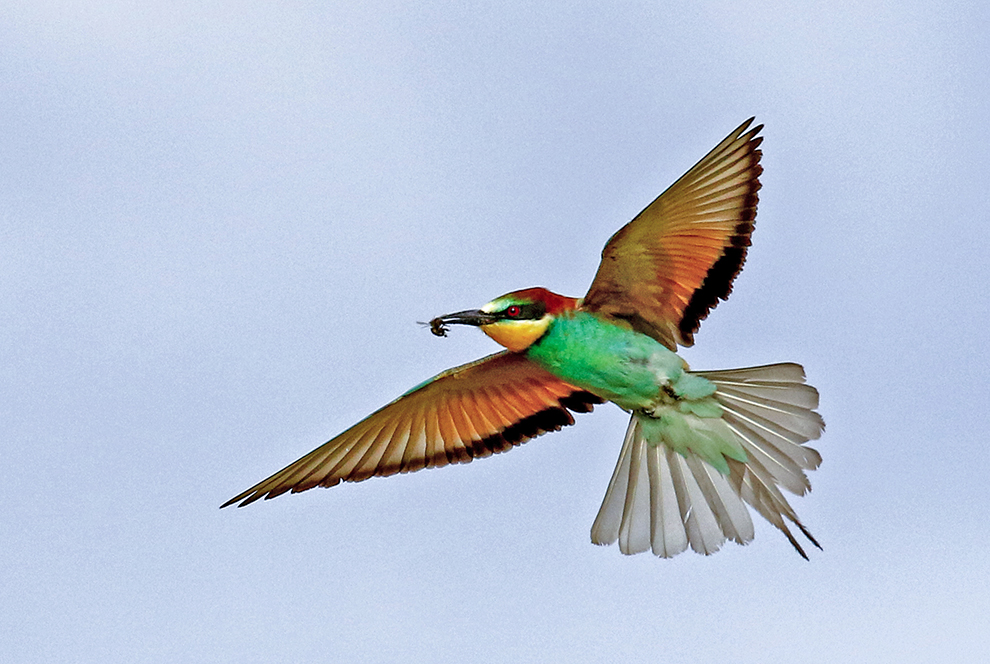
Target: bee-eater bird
{"type": "Point", "coordinates": [700, 446]}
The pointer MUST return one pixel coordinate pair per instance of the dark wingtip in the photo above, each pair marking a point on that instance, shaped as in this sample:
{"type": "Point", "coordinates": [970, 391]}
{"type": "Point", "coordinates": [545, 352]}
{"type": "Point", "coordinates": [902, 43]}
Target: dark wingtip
{"type": "Point", "coordinates": [717, 284]}
{"type": "Point", "coordinates": [244, 499]}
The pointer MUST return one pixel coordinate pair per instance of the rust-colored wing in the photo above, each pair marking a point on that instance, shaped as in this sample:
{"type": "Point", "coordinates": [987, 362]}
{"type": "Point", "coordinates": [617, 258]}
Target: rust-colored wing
{"type": "Point", "coordinates": [667, 268]}
{"type": "Point", "coordinates": [471, 411]}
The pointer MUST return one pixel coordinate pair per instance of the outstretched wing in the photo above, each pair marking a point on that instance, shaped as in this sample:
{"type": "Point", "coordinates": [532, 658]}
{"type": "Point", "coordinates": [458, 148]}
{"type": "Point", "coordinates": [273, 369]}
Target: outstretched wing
{"type": "Point", "coordinates": [471, 411]}
{"type": "Point", "coordinates": [667, 268]}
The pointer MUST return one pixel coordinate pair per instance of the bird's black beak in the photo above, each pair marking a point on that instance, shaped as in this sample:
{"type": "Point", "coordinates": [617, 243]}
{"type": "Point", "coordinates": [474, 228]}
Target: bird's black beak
{"type": "Point", "coordinates": [476, 317]}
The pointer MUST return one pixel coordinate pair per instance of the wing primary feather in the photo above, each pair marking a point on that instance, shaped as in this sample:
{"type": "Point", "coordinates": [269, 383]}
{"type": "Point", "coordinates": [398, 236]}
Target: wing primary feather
{"type": "Point", "coordinates": [456, 449]}
{"type": "Point", "coordinates": [415, 455]}
{"type": "Point", "coordinates": [471, 411]}
{"type": "Point", "coordinates": [665, 270]}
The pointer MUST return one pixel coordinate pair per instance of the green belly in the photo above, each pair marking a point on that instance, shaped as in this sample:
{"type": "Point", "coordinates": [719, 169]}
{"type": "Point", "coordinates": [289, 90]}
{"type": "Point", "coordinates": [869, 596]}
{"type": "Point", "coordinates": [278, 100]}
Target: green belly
{"type": "Point", "coordinates": [611, 361]}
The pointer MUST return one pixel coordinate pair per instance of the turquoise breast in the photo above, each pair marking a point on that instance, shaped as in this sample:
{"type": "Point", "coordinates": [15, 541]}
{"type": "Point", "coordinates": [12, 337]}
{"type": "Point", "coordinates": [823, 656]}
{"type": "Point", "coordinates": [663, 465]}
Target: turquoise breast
{"type": "Point", "coordinates": [609, 360]}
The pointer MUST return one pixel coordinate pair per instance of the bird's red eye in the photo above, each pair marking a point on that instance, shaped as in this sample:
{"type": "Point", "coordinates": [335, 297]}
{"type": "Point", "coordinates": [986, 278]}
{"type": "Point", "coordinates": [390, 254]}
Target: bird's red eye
{"type": "Point", "coordinates": [513, 311]}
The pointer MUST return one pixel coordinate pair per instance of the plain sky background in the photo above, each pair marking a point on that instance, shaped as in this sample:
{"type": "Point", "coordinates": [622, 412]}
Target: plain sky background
{"type": "Point", "coordinates": [220, 222]}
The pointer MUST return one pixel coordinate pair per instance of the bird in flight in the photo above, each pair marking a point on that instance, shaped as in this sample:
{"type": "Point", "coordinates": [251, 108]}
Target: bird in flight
{"type": "Point", "coordinates": [700, 445]}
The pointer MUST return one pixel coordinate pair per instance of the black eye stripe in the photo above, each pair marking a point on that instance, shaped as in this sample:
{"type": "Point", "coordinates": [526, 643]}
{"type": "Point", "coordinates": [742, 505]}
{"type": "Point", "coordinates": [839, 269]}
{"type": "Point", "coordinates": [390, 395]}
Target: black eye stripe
{"type": "Point", "coordinates": [528, 311]}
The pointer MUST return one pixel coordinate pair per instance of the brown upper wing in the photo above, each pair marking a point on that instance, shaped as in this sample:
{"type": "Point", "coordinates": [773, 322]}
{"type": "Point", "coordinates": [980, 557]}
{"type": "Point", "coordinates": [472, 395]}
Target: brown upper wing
{"type": "Point", "coordinates": [667, 268]}
{"type": "Point", "coordinates": [471, 411]}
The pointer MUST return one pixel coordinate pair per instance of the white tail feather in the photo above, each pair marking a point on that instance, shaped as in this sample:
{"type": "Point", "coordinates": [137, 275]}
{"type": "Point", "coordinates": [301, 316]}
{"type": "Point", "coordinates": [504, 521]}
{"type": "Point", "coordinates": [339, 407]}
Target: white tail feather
{"type": "Point", "coordinates": [660, 500]}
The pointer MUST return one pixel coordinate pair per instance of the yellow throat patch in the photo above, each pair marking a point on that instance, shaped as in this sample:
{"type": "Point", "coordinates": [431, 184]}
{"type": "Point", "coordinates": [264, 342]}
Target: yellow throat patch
{"type": "Point", "coordinates": [517, 335]}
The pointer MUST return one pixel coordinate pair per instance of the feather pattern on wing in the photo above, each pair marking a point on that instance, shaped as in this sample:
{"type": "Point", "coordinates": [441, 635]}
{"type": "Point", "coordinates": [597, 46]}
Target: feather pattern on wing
{"type": "Point", "coordinates": [667, 268]}
{"type": "Point", "coordinates": [472, 411]}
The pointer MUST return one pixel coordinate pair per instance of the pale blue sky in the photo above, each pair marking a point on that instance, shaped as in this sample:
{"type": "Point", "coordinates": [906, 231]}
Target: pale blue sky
{"type": "Point", "coordinates": [220, 222]}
